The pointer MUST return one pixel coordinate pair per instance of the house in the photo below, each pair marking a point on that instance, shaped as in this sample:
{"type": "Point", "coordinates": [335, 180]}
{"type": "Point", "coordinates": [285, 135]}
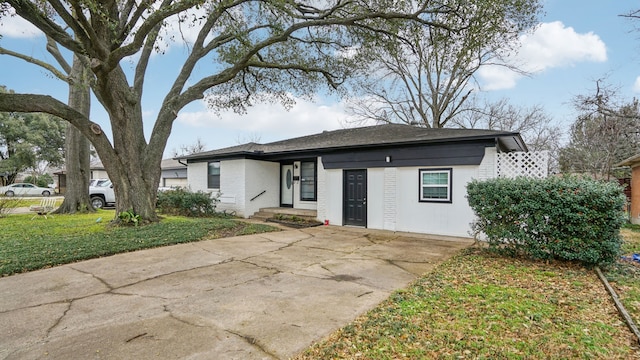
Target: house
{"type": "Point", "coordinates": [634, 163]}
{"type": "Point", "coordinates": [97, 170]}
{"type": "Point", "coordinates": [174, 174]}
{"type": "Point", "coordinates": [392, 177]}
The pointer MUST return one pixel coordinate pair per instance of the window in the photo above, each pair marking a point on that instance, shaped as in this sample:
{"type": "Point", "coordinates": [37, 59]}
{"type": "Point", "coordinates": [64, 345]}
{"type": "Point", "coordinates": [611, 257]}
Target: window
{"type": "Point", "coordinates": [308, 181]}
{"type": "Point", "coordinates": [213, 175]}
{"type": "Point", "coordinates": [435, 185]}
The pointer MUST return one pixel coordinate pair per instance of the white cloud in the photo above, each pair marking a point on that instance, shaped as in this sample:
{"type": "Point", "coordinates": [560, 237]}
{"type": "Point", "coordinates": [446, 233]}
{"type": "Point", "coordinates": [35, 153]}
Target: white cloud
{"type": "Point", "coordinates": [636, 85]}
{"type": "Point", "coordinates": [270, 121]}
{"type": "Point", "coordinates": [551, 45]}
{"type": "Point", "coordinates": [13, 26]}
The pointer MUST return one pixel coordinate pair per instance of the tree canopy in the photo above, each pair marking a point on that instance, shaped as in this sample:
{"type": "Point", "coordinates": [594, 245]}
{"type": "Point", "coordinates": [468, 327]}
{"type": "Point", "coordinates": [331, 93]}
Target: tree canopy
{"type": "Point", "coordinates": [426, 76]}
{"type": "Point", "coordinates": [27, 141]}
{"type": "Point", "coordinates": [605, 132]}
{"type": "Point", "coordinates": [244, 51]}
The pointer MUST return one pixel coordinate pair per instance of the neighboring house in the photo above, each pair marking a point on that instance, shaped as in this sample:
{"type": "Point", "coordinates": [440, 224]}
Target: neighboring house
{"type": "Point", "coordinates": [97, 170]}
{"type": "Point", "coordinates": [174, 174]}
{"type": "Point", "coordinates": [634, 163]}
{"type": "Point", "coordinates": [391, 177]}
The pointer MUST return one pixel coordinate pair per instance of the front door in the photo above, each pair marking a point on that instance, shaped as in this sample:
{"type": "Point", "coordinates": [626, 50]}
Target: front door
{"type": "Point", "coordinates": [286, 185]}
{"type": "Point", "coordinates": [355, 197]}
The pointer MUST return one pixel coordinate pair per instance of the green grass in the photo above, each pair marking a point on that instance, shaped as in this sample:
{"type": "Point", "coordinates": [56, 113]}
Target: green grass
{"type": "Point", "coordinates": [480, 306]}
{"type": "Point", "coordinates": [625, 276]}
{"type": "Point", "coordinates": [7, 203]}
{"type": "Point", "coordinates": [27, 244]}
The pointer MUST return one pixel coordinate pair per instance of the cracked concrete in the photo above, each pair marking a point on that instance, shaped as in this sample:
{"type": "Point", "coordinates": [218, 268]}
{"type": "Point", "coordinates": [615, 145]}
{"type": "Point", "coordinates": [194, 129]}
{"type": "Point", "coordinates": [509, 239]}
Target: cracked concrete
{"type": "Point", "coordinates": [265, 296]}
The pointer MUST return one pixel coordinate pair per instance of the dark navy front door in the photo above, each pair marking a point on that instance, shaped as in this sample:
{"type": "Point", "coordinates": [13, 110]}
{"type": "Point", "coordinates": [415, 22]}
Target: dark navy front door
{"type": "Point", "coordinates": [355, 197]}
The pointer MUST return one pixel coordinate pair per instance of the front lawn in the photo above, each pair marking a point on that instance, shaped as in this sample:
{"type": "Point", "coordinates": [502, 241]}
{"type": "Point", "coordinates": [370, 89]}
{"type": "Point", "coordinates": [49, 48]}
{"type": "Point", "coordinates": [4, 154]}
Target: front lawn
{"type": "Point", "coordinates": [27, 244]}
{"type": "Point", "coordinates": [481, 306]}
{"type": "Point", "coordinates": [625, 276]}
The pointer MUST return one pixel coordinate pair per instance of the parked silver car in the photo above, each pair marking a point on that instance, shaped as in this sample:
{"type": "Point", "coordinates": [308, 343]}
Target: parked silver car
{"type": "Point", "coordinates": [25, 189]}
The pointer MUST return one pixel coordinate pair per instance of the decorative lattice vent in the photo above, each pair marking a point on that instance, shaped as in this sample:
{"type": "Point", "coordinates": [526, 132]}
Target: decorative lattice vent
{"type": "Point", "coordinates": [531, 164]}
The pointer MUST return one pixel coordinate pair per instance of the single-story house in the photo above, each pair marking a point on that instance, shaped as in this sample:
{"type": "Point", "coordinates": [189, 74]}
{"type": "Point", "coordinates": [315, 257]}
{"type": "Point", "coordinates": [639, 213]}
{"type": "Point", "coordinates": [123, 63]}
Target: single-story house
{"type": "Point", "coordinates": [174, 174]}
{"type": "Point", "coordinates": [634, 163]}
{"type": "Point", "coordinates": [392, 177]}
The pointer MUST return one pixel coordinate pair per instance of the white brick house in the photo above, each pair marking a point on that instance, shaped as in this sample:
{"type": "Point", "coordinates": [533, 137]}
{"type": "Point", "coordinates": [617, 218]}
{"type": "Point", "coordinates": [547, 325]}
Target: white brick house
{"type": "Point", "coordinates": [391, 177]}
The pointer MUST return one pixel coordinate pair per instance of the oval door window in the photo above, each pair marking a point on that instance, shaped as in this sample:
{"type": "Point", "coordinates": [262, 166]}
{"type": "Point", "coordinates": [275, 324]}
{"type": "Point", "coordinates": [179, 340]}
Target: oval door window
{"type": "Point", "coordinates": [288, 179]}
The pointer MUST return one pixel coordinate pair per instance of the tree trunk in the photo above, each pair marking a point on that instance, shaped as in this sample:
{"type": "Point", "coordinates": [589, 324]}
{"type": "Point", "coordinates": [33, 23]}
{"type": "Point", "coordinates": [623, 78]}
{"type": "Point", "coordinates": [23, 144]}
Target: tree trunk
{"type": "Point", "coordinates": [77, 153]}
{"type": "Point", "coordinates": [133, 165]}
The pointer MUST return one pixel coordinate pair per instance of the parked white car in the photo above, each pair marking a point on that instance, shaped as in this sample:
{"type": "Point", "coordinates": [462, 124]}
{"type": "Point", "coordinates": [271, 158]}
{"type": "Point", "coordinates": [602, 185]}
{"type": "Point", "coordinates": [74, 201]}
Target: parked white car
{"type": "Point", "coordinates": [25, 189]}
{"type": "Point", "coordinates": [102, 195]}
{"type": "Point", "coordinates": [97, 182]}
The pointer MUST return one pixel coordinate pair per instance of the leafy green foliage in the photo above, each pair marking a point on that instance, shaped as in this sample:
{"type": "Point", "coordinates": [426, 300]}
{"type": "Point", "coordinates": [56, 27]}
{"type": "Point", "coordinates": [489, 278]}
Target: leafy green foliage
{"type": "Point", "coordinates": [570, 218]}
{"type": "Point", "coordinates": [129, 217]}
{"type": "Point", "coordinates": [27, 139]}
{"type": "Point", "coordinates": [43, 180]}
{"type": "Point", "coordinates": [184, 202]}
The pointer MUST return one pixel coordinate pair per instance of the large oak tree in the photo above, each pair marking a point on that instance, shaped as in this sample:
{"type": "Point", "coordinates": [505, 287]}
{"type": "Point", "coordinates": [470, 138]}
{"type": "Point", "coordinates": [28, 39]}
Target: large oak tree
{"type": "Point", "coordinates": [244, 51]}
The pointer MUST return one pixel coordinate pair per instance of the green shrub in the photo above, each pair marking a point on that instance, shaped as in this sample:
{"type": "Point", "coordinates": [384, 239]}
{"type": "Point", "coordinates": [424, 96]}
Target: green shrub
{"type": "Point", "coordinates": [129, 217]}
{"type": "Point", "coordinates": [567, 218]}
{"type": "Point", "coordinates": [183, 202]}
{"type": "Point", "coordinates": [43, 180]}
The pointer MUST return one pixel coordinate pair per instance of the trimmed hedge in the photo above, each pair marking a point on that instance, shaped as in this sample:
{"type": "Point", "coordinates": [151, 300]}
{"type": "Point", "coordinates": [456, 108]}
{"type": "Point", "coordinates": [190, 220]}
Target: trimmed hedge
{"type": "Point", "coordinates": [183, 202]}
{"type": "Point", "coordinates": [568, 218]}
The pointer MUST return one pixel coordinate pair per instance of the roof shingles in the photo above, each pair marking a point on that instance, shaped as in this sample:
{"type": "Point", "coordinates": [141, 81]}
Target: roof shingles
{"type": "Point", "coordinates": [388, 134]}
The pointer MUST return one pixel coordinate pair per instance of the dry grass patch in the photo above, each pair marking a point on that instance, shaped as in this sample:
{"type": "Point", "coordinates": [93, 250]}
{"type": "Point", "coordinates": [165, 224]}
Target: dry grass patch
{"type": "Point", "coordinates": [477, 305]}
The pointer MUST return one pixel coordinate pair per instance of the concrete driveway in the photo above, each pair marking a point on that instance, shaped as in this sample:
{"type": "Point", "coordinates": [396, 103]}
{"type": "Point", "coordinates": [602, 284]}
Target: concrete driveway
{"type": "Point", "coordinates": [266, 296]}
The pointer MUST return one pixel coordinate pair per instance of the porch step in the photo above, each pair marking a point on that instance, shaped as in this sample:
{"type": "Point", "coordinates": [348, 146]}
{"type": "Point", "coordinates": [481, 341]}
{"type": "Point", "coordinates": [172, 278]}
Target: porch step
{"type": "Point", "coordinates": [267, 213]}
{"type": "Point", "coordinates": [261, 215]}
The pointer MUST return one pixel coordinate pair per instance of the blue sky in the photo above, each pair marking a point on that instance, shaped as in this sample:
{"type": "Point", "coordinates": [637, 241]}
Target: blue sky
{"type": "Point", "coordinates": [577, 42]}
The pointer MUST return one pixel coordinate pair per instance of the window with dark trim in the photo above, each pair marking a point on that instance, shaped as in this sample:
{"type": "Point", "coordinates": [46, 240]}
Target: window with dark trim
{"type": "Point", "coordinates": [308, 181]}
{"type": "Point", "coordinates": [213, 175]}
{"type": "Point", "coordinates": [435, 185]}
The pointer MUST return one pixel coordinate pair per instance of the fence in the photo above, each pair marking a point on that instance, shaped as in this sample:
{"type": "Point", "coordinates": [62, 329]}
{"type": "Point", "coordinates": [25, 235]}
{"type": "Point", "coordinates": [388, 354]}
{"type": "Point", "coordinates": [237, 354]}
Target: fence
{"type": "Point", "coordinates": [531, 164]}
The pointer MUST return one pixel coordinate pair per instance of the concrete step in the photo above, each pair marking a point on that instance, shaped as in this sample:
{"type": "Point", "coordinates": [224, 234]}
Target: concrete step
{"type": "Point", "coordinates": [267, 213]}
{"type": "Point", "coordinates": [261, 215]}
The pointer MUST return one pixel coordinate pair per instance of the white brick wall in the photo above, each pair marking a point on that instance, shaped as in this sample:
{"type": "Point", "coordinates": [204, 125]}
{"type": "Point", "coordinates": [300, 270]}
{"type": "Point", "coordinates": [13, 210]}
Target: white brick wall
{"type": "Point", "coordinates": [261, 176]}
{"type": "Point", "coordinates": [487, 169]}
{"type": "Point", "coordinates": [322, 191]}
{"type": "Point", "coordinates": [197, 176]}
{"type": "Point", "coordinates": [232, 191]}
{"type": "Point", "coordinates": [390, 199]}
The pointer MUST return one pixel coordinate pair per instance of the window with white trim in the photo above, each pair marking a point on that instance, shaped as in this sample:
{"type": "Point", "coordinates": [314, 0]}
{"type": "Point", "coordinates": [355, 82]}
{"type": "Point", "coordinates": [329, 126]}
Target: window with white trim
{"type": "Point", "coordinates": [435, 185]}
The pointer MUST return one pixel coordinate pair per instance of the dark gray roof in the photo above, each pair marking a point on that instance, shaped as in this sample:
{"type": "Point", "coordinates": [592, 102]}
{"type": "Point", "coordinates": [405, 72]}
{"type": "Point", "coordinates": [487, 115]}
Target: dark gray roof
{"type": "Point", "coordinates": [370, 136]}
{"type": "Point", "coordinates": [171, 164]}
